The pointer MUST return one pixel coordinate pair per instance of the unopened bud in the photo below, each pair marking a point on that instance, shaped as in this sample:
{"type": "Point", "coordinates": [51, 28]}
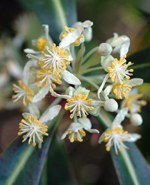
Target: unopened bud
{"type": "Point", "coordinates": [105, 49]}
{"type": "Point", "coordinates": [136, 119]}
{"type": "Point", "coordinates": [111, 105]}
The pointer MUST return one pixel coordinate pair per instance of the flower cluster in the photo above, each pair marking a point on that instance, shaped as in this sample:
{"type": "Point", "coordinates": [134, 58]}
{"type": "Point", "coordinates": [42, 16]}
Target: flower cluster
{"type": "Point", "coordinates": [51, 68]}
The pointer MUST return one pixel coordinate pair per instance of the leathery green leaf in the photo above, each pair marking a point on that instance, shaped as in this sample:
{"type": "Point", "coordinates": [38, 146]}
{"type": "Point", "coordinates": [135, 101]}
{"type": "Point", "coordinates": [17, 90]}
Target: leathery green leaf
{"type": "Point", "coordinates": [131, 167]}
{"type": "Point", "coordinates": [55, 13]}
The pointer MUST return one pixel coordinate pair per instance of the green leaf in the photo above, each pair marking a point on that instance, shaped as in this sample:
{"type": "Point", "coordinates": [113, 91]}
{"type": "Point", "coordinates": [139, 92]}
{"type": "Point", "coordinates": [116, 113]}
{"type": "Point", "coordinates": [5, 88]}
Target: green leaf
{"type": "Point", "coordinates": [55, 13]}
{"type": "Point", "coordinates": [58, 166]}
{"type": "Point", "coordinates": [131, 167]}
{"type": "Point", "coordinates": [141, 65]}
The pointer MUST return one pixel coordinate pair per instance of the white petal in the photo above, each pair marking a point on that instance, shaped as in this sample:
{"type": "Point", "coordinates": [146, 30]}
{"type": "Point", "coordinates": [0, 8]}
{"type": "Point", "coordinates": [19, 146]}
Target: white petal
{"type": "Point", "coordinates": [101, 137]}
{"type": "Point", "coordinates": [92, 130]}
{"type": "Point", "coordinates": [102, 85]}
{"type": "Point", "coordinates": [132, 137]}
{"type": "Point", "coordinates": [120, 117]}
{"type": "Point", "coordinates": [77, 24]}
{"type": "Point", "coordinates": [46, 29]}
{"type": "Point", "coordinates": [88, 34]}
{"type": "Point", "coordinates": [70, 58]}
{"type": "Point", "coordinates": [70, 38]}
{"type": "Point", "coordinates": [135, 82]}
{"type": "Point", "coordinates": [81, 90]}
{"type": "Point", "coordinates": [32, 57]}
{"type": "Point", "coordinates": [70, 78]}
{"type": "Point", "coordinates": [85, 122]}
{"type": "Point", "coordinates": [50, 113]}
{"type": "Point", "coordinates": [70, 91]}
{"type": "Point", "coordinates": [87, 24]}
{"type": "Point", "coordinates": [40, 95]}
{"type": "Point", "coordinates": [75, 126]}
{"type": "Point", "coordinates": [64, 135]}
{"type": "Point", "coordinates": [60, 95]}
{"type": "Point", "coordinates": [31, 51]}
{"type": "Point", "coordinates": [26, 72]}
{"type": "Point", "coordinates": [124, 48]}
{"type": "Point", "coordinates": [108, 90]}
{"type": "Point", "coordinates": [33, 109]}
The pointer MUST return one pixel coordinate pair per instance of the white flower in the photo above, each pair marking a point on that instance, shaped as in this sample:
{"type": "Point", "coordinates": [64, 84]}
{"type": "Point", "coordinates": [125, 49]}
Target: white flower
{"type": "Point", "coordinates": [117, 41]}
{"type": "Point", "coordinates": [116, 135]}
{"type": "Point", "coordinates": [133, 103]}
{"type": "Point", "coordinates": [74, 35]}
{"type": "Point", "coordinates": [87, 33]}
{"type": "Point", "coordinates": [23, 91]}
{"type": "Point", "coordinates": [55, 58]}
{"type": "Point", "coordinates": [122, 90]}
{"type": "Point", "coordinates": [76, 130]}
{"type": "Point", "coordinates": [79, 104]}
{"type": "Point", "coordinates": [77, 101]}
{"type": "Point", "coordinates": [33, 128]}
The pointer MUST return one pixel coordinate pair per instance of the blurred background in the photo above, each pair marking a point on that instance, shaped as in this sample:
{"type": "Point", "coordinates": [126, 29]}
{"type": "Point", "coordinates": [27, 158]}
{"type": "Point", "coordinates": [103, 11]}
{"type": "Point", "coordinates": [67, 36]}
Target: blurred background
{"type": "Point", "coordinates": [18, 26]}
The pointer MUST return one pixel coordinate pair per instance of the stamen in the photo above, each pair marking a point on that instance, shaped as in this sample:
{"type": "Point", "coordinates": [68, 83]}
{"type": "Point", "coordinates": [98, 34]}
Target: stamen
{"type": "Point", "coordinates": [79, 105]}
{"type": "Point", "coordinates": [133, 104]}
{"type": "Point", "coordinates": [121, 90]}
{"type": "Point", "coordinates": [118, 70]}
{"type": "Point", "coordinates": [33, 129]}
{"type": "Point", "coordinates": [23, 92]}
{"type": "Point", "coordinates": [41, 43]}
{"type": "Point", "coordinates": [55, 59]}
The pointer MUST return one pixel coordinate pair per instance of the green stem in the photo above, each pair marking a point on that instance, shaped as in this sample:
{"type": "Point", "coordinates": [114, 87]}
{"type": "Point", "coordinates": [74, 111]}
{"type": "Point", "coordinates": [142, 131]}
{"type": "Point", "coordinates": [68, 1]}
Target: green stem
{"type": "Point", "coordinates": [92, 69]}
{"type": "Point", "coordinates": [89, 81]}
{"type": "Point", "coordinates": [72, 49]}
{"type": "Point", "coordinates": [89, 54]}
{"type": "Point", "coordinates": [60, 13]}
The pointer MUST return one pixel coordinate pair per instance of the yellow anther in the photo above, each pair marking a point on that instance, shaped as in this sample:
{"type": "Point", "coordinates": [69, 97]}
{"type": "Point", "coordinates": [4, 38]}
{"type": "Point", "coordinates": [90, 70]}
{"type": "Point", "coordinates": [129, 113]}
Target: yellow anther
{"type": "Point", "coordinates": [121, 90]}
{"type": "Point", "coordinates": [41, 43]}
{"type": "Point", "coordinates": [79, 104]}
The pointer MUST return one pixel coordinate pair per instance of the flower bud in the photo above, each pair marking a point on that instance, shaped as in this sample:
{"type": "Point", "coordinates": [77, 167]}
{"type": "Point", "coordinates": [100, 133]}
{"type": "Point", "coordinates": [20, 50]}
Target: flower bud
{"type": "Point", "coordinates": [105, 49]}
{"type": "Point", "coordinates": [110, 105]}
{"type": "Point", "coordinates": [136, 119]}
{"type": "Point", "coordinates": [106, 62]}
